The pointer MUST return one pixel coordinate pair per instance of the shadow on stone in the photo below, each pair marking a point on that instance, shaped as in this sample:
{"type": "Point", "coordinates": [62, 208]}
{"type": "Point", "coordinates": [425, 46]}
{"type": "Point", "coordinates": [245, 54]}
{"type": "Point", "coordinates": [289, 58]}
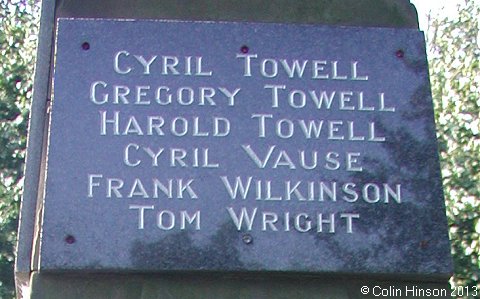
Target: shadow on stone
{"type": "Point", "coordinates": [413, 162]}
{"type": "Point", "coordinates": [178, 251]}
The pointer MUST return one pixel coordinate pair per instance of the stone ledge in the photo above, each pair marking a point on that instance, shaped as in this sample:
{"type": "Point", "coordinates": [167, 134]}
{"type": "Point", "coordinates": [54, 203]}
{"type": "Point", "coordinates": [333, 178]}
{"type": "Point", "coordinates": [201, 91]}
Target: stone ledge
{"type": "Point", "coordinates": [201, 286]}
{"type": "Point", "coordinates": [363, 13]}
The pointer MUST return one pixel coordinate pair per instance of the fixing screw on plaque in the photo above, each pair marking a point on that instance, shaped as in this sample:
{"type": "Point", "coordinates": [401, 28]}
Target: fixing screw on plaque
{"type": "Point", "coordinates": [86, 46]}
{"type": "Point", "coordinates": [400, 53]}
{"type": "Point", "coordinates": [247, 239]}
{"type": "Point", "coordinates": [244, 49]}
{"type": "Point", "coordinates": [70, 239]}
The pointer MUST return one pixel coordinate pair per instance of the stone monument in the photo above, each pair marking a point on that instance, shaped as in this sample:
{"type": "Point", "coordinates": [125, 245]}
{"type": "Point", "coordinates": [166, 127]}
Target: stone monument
{"type": "Point", "coordinates": [218, 151]}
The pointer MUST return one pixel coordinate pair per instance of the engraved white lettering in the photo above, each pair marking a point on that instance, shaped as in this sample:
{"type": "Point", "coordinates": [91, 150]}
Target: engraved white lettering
{"type": "Point", "coordinates": [336, 130]}
{"type": "Point", "coordinates": [141, 213]}
{"type": "Point", "coordinates": [117, 124]}
{"type": "Point", "coordinates": [320, 69]}
{"type": "Point", "coordinates": [116, 66]}
{"type": "Point", "coordinates": [249, 188]}
{"type": "Point", "coordinates": [246, 219]}
{"type": "Point", "coordinates": [277, 158]}
{"type": "Point", "coordinates": [102, 93]}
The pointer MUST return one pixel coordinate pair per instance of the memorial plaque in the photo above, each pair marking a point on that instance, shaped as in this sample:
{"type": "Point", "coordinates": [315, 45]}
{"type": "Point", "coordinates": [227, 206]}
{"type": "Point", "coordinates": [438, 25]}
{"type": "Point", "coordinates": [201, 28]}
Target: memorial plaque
{"type": "Point", "coordinates": [242, 147]}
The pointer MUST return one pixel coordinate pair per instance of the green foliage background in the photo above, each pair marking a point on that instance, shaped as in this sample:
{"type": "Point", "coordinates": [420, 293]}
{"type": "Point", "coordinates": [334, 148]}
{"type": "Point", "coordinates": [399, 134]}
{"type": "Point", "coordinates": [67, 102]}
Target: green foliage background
{"type": "Point", "coordinates": [454, 60]}
{"type": "Point", "coordinates": [18, 30]}
{"type": "Point", "coordinates": [454, 46]}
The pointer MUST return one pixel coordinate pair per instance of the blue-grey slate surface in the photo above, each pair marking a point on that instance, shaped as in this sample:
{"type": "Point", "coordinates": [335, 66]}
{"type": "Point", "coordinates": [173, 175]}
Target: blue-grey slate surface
{"type": "Point", "coordinates": [242, 147]}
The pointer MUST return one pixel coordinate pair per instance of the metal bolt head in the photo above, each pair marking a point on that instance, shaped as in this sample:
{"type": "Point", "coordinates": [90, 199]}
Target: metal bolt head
{"type": "Point", "coordinates": [247, 239]}
{"type": "Point", "coordinates": [70, 239]}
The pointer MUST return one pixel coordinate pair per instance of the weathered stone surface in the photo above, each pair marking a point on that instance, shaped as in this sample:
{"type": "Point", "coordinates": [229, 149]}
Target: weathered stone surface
{"type": "Point", "coordinates": [372, 13]}
{"type": "Point", "coordinates": [400, 230]}
{"type": "Point", "coordinates": [186, 286]}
